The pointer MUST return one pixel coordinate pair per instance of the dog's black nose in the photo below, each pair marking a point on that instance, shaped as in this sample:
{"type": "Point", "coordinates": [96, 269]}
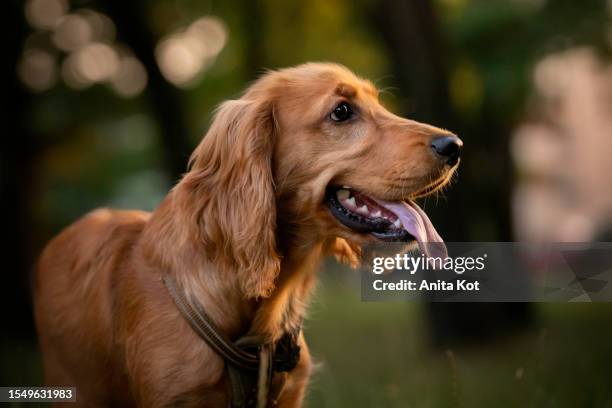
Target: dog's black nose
{"type": "Point", "coordinates": [449, 147]}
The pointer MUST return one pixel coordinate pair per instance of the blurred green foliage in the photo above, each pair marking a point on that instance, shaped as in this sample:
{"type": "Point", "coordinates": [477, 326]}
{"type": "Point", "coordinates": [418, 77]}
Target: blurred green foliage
{"type": "Point", "coordinates": [378, 355]}
{"type": "Point", "coordinates": [105, 150]}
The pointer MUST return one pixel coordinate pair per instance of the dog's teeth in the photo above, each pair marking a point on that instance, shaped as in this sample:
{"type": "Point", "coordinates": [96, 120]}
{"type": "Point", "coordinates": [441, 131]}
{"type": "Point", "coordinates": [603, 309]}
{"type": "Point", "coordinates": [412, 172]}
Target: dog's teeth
{"type": "Point", "coordinates": [397, 223]}
{"type": "Point", "coordinates": [350, 202]}
{"type": "Point", "coordinates": [363, 210]}
{"type": "Point", "coordinates": [347, 187]}
{"type": "Point", "coordinates": [343, 194]}
{"type": "Point", "coordinates": [377, 214]}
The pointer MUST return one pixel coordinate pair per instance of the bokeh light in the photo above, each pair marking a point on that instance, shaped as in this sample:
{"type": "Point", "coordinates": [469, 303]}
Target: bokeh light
{"type": "Point", "coordinates": [85, 40]}
{"type": "Point", "coordinates": [186, 54]}
{"type": "Point", "coordinates": [37, 69]}
{"type": "Point", "coordinates": [130, 78]}
{"type": "Point", "coordinates": [210, 31]}
{"type": "Point", "coordinates": [562, 152]}
{"type": "Point", "coordinates": [44, 14]}
{"type": "Point", "coordinates": [71, 74]}
{"type": "Point", "coordinates": [102, 27]}
{"type": "Point", "coordinates": [536, 150]}
{"type": "Point", "coordinates": [97, 62]}
{"type": "Point", "coordinates": [72, 32]}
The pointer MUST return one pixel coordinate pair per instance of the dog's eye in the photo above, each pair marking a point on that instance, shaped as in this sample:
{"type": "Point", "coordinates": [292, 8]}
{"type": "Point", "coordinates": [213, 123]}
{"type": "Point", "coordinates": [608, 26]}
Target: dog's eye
{"type": "Point", "coordinates": [342, 112]}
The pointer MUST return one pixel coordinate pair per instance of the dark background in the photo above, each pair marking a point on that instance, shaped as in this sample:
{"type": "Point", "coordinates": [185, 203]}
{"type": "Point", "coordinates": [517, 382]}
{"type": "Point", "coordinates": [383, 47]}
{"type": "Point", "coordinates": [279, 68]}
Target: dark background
{"type": "Point", "coordinates": [104, 101]}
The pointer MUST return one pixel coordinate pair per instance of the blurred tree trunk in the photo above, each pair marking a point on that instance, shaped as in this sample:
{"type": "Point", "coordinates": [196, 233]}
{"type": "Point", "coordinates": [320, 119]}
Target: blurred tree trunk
{"type": "Point", "coordinates": [17, 153]}
{"type": "Point", "coordinates": [410, 32]}
{"type": "Point", "coordinates": [253, 23]}
{"type": "Point", "coordinates": [164, 98]}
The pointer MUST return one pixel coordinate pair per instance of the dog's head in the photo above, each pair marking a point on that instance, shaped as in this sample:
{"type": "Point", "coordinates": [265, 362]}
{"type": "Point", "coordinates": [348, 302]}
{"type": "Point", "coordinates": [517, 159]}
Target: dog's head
{"type": "Point", "coordinates": [309, 154]}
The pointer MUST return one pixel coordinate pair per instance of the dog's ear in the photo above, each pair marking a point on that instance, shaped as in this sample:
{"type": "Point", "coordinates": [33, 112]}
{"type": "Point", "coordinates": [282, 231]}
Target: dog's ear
{"type": "Point", "coordinates": [231, 173]}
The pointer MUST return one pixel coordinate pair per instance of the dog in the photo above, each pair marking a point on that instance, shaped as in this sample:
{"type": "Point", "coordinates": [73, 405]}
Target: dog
{"type": "Point", "coordinates": [305, 163]}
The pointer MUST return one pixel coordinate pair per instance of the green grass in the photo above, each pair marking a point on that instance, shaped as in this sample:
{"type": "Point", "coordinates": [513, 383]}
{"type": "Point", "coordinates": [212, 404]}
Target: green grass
{"type": "Point", "coordinates": [377, 355]}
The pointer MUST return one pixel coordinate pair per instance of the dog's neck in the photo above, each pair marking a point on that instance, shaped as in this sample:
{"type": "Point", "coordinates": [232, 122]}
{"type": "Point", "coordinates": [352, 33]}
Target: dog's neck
{"type": "Point", "coordinates": [284, 310]}
{"type": "Point", "coordinates": [218, 291]}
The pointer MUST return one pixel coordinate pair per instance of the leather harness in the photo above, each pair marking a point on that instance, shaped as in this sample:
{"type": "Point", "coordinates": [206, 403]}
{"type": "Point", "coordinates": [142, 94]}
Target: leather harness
{"type": "Point", "coordinates": [251, 364]}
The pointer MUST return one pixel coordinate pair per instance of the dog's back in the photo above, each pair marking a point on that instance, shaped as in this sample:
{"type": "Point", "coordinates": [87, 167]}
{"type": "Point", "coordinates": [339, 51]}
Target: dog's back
{"type": "Point", "coordinates": [74, 300]}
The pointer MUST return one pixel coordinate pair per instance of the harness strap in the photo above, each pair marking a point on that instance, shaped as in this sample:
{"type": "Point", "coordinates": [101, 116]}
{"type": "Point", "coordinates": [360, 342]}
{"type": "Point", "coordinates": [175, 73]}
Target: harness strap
{"type": "Point", "coordinates": [250, 374]}
{"type": "Point", "coordinates": [206, 329]}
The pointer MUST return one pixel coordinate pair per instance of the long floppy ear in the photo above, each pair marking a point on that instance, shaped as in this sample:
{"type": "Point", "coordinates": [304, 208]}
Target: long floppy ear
{"type": "Point", "coordinates": [231, 176]}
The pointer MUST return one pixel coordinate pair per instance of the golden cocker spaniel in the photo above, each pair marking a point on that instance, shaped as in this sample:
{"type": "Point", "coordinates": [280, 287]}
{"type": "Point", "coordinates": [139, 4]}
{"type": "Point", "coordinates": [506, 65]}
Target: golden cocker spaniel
{"type": "Point", "coordinates": [307, 162]}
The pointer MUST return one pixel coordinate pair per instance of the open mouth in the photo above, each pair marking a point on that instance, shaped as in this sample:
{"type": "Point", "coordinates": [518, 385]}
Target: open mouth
{"type": "Point", "coordinates": [394, 221]}
{"type": "Point", "coordinates": [364, 214]}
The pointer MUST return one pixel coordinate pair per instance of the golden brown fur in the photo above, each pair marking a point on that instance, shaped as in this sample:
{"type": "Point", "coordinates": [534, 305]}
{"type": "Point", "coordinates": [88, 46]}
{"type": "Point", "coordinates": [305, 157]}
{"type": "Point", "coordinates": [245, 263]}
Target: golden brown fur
{"type": "Point", "coordinates": [242, 233]}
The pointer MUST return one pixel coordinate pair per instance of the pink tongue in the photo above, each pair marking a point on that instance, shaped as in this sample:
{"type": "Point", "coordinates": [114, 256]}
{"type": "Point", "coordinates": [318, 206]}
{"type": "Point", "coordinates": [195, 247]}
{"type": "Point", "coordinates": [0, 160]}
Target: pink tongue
{"type": "Point", "coordinates": [417, 224]}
